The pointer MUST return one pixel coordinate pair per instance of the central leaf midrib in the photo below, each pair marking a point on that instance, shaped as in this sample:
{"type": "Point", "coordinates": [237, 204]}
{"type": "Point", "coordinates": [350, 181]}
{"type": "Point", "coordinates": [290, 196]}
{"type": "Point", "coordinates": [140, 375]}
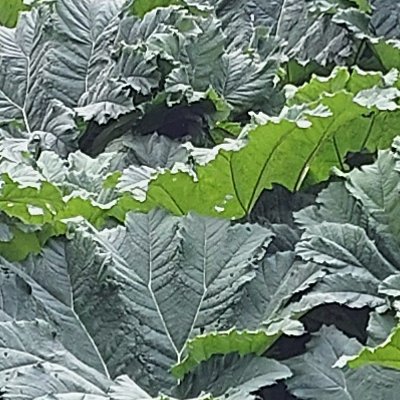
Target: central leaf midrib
{"type": "Point", "coordinates": [266, 163]}
{"type": "Point", "coordinates": [153, 297]}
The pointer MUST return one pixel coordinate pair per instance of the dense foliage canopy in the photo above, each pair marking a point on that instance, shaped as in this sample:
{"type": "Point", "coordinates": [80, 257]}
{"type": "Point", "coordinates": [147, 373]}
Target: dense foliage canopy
{"type": "Point", "coordinates": [199, 199]}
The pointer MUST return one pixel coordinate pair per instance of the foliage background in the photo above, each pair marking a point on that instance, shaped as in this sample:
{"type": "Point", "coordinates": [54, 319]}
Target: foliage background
{"type": "Point", "coordinates": [199, 199]}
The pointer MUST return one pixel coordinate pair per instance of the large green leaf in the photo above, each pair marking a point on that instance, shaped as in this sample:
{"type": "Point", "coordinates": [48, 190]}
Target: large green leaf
{"type": "Point", "coordinates": [157, 269]}
{"type": "Point", "coordinates": [233, 177]}
{"type": "Point", "coordinates": [84, 30]}
{"type": "Point", "coordinates": [34, 363]}
{"type": "Point", "coordinates": [30, 292]}
{"type": "Point", "coordinates": [365, 208]}
{"type": "Point", "coordinates": [21, 58]}
{"type": "Point", "coordinates": [25, 96]}
{"type": "Point", "coordinates": [233, 377]}
{"type": "Point", "coordinates": [270, 300]}
{"type": "Point", "coordinates": [305, 28]}
{"type": "Point", "coordinates": [34, 290]}
{"type": "Point", "coordinates": [203, 347]}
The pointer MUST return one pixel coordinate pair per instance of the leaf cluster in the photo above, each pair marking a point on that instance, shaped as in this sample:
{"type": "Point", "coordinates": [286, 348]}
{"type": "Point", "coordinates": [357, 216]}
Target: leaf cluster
{"type": "Point", "coordinates": [199, 199]}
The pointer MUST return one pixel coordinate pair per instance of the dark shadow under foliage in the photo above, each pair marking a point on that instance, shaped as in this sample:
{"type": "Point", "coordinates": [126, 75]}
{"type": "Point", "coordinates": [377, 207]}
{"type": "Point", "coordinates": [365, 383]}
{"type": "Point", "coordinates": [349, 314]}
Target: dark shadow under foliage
{"type": "Point", "coordinates": [352, 322]}
{"type": "Point", "coordinates": [276, 392]}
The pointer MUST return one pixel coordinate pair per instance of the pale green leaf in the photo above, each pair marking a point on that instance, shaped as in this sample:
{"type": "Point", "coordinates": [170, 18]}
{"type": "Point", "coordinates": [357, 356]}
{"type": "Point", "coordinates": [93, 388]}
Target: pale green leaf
{"type": "Point", "coordinates": [31, 353]}
{"type": "Point", "coordinates": [157, 269]}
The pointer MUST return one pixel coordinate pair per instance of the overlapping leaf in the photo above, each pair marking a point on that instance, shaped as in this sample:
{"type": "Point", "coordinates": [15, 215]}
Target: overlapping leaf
{"type": "Point", "coordinates": [155, 270]}
{"type": "Point", "coordinates": [365, 206]}
{"type": "Point", "coordinates": [25, 95]}
{"type": "Point", "coordinates": [352, 234]}
{"type": "Point", "coordinates": [30, 353]}
{"type": "Point", "coordinates": [234, 176]}
{"type": "Point", "coordinates": [86, 29]}
{"type": "Point", "coordinates": [306, 28]}
{"type": "Point", "coordinates": [199, 293]}
{"type": "Point", "coordinates": [385, 355]}
{"type": "Point", "coordinates": [261, 308]}
{"type": "Point", "coordinates": [22, 54]}
{"type": "Point", "coordinates": [192, 50]}
{"type": "Point", "coordinates": [28, 292]}
{"type": "Point", "coordinates": [232, 377]}
{"type": "Point", "coordinates": [45, 193]}
{"type": "Point", "coordinates": [316, 376]}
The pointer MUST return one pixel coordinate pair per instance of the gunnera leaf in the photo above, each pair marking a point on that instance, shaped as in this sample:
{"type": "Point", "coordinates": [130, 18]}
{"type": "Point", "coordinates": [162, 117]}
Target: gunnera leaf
{"type": "Point", "coordinates": [132, 283]}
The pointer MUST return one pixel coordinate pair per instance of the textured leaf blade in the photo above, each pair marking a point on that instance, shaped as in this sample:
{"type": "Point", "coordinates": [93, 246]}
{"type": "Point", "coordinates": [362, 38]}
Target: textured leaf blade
{"type": "Point", "coordinates": [376, 187]}
{"type": "Point", "coordinates": [86, 29]}
{"type": "Point", "coordinates": [278, 279]}
{"type": "Point", "coordinates": [338, 246]}
{"type": "Point", "coordinates": [31, 353]}
{"type": "Point", "coordinates": [231, 183]}
{"type": "Point", "coordinates": [362, 209]}
{"type": "Point", "coordinates": [203, 278]}
{"type": "Point", "coordinates": [315, 375]}
{"type": "Point", "coordinates": [31, 293]}
{"type": "Point", "coordinates": [233, 376]}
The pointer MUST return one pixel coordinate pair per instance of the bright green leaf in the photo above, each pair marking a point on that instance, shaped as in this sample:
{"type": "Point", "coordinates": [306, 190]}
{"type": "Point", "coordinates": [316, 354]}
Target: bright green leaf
{"type": "Point", "coordinates": [203, 347]}
{"type": "Point", "coordinates": [386, 355]}
{"type": "Point", "coordinates": [230, 184]}
{"type": "Point", "coordinates": [9, 11]}
{"type": "Point", "coordinates": [142, 7]}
